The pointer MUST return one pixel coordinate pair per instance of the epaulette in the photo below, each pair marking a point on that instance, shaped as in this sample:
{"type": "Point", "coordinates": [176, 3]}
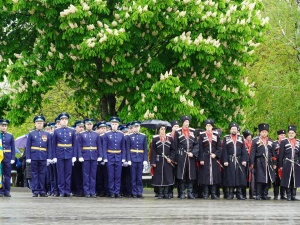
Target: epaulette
{"type": "Point", "coordinates": [192, 129]}
{"type": "Point", "coordinates": [257, 137]}
{"type": "Point", "coordinates": [178, 129]}
{"type": "Point", "coordinates": [203, 132]}
{"type": "Point", "coordinates": [156, 135]}
{"type": "Point", "coordinates": [101, 134]}
{"type": "Point", "coordinates": [82, 132]}
{"type": "Point", "coordinates": [8, 133]}
{"type": "Point", "coordinates": [143, 134]}
{"type": "Point", "coordinates": [227, 135]}
{"type": "Point", "coordinates": [169, 134]}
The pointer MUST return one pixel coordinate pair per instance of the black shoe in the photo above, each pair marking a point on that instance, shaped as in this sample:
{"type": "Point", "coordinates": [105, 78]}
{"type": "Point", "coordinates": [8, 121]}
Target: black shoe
{"type": "Point", "coordinates": [160, 196]}
{"type": "Point", "coordinates": [191, 196]}
{"type": "Point", "coordinates": [214, 196]}
{"type": "Point", "coordinates": [1, 195]}
{"type": "Point", "coordinates": [182, 196]}
{"type": "Point", "coordinates": [275, 198]}
{"type": "Point", "coordinates": [112, 195]}
{"type": "Point", "coordinates": [35, 195]}
{"type": "Point", "coordinates": [93, 196]}
{"type": "Point", "coordinates": [118, 196]}
{"type": "Point", "coordinates": [61, 195]}
{"type": "Point", "coordinates": [67, 195]}
{"type": "Point", "coordinates": [140, 196]}
{"type": "Point", "coordinates": [43, 195]}
{"type": "Point", "coordinates": [102, 195]}
{"type": "Point", "coordinates": [56, 195]}
{"type": "Point", "coordinates": [7, 195]}
{"type": "Point", "coordinates": [282, 198]}
{"type": "Point", "coordinates": [134, 196]}
{"type": "Point", "coordinates": [87, 196]}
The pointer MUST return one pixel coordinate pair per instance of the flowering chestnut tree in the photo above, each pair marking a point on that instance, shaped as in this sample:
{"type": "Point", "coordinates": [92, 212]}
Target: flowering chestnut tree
{"type": "Point", "coordinates": [136, 59]}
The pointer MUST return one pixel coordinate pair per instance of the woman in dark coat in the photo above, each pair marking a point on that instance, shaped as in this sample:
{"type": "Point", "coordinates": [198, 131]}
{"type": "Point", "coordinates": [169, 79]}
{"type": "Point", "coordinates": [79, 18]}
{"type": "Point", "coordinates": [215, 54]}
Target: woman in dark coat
{"type": "Point", "coordinates": [162, 157]}
{"type": "Point", "coordinates": [289, 156]}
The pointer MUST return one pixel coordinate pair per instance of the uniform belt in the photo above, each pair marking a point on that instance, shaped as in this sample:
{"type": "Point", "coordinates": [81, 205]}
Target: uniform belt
{"type": "Point", "coordinates": [38, 148]}
{"type": "Point", "coordinates": [89, 148]}
{"type": "Point", "coordinates": [6, 150]}
{"type": "Point", "coordinates": [114, 151]}
{"type": "Point", "coordinates": [137, 151]}
{"type": "Point", "coordinates": [64, 145]}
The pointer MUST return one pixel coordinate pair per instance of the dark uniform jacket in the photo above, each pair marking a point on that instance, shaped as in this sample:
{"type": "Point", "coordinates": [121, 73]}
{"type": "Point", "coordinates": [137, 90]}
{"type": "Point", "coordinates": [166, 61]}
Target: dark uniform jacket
{"type": "Point", "coordinates": [38, 145]}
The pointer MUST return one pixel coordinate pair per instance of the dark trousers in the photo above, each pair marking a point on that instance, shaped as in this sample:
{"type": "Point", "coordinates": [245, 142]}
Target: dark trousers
{"type": "Point", "coordinates": [38, 176]}
{"type": "Point", "coordinates": [77, 179]}
{"type": "Point", "coordinates": [89, 171]}
{"type": "Point", "coordinates": [114, 170]}
{"type": "Point", "coordinates": [102, 180]}
{"type": "Point", "coordinates": [64, 171]}
{"type": "Point", "coordinates": [53, 179]}
{"type": "Point", "coordinates": [136, 178]}
{"type": "Point", "coordinates": [6, 176]}
{"type": "Point", "coordinates": [126, 181]}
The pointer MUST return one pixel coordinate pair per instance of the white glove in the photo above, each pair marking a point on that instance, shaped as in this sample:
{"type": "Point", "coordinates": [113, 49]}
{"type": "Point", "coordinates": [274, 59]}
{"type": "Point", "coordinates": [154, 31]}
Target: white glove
{"type": "Point", "coordinates": [102, 163]}
{"type": "Point", "coordinates": [12, 161]}
{"type": "Point", "coordinates": [81, 159]}
{"type": "Point", "coordinates": [129, 163]}
{"type": "Point", "coordinates": [54, 160]}
{"type": "Point", "coordinates": [125, 164]}
{"type": "Point", "coordinates": [73, 159]}
{"type": "Point", "coordinates": [28, 160]}
{"type": "Point", "coordinates": [123, 160]}
{"type": "Point", "coordinates": [99, 159]}
{"type": "Point", "coordinates": [145, 163]}
{"type": "Point", "coordinates": [105, 160]}
{"type": "Point", "coordinates": [190, 154]}
{"type": "Point", "coordinates": [49, 162]}
{"type": "Point", "coordinates": [225, 163]}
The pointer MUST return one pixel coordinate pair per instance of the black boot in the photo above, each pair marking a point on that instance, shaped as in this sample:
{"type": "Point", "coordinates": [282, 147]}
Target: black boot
{"type": "Point", "coordinates": [294, 191]}
{"type": "Point", "coordinates": [239, 193]}
{"type": "Point", "coordinates": [213, 192]}
{"type": "Point", "coordinates": [205, 191]}
{"type": "Point", "coordinates": [190, 191]}
{"type": "Point", "coordinates": [276, 191]}
{"type": "Point", "coordinates": [282, 193]}
{"type": "Point", "coordinates": [230, 193]}
{"type": "Point", "coordinates": [225, 192]}
{"type": "Point", "coordinates": [265, 192]}
{"type": "Point", "coordinates": [289, 193]}
{"type": "Point", "coordinates": [166, 192]}
{"type": "Point", "coordinates": [182, 188]}
{"type": "Point", "coordinates": [160, 192]}
{"type": "Point", "coordinates": [258, 191]}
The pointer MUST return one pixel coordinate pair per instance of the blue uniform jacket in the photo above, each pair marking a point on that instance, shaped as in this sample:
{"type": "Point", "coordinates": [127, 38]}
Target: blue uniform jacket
{"type": "Point", "coordinates": [89, 145]}
{"type": "Point", "coordinates": [114, 149]}
{"type": "Point", "coordinates": [137, 150]}
{"type": "Point", "coordinates": [8, 144]}
{"type": "Point", "coordinates": [38, 145]}
{"type": "Point", "coordinates": [64, 143]}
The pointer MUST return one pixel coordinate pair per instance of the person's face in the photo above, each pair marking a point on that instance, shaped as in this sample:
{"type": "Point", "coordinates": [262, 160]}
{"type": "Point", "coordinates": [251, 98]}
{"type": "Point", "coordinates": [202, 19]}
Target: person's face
{"type": "Point", "coordinates": [292, 134]}
{"type": "Point", "coordinates": [186, 124]}
{"type": "Point", "coordinates": [175, 127]}
{"type": "Point", "coordinates": [3, 127]}
{"type": "Point", "coordinates": [208, 127]}
{"type": "Point", "coordinates": [249, 138]}
{"type": "Point", "coordinates": [89, 126]}
{"type": "Point", "coordinates": [136, 128]}
{"type": "Point", "coordinates": [108, 128]}
{"type": "Point", "coordinates": [114, 125]}
{"type": "Point", "coordinates": [281, 136]}
{"type": "Point", "coordinates": [101, 130]}
{"type": "Point", "coordinates": [233, 130]}
{"type": "Point", "coordinates": [48, 129]}
{"type": "Point", "coordinates": [79, 128]}
{"type": "Point", "coordinates": [264, 133]}
{"type": "Point", "coordinates": [52, 129]}
{"type": "Point", "coordinates": [57, 125]}
{"type": "Point", "coordinates": [39, 125]}
{"type": "Point", "coordinates": [162, 130]}
{"type": "Point", "coordinates": [64, 122]}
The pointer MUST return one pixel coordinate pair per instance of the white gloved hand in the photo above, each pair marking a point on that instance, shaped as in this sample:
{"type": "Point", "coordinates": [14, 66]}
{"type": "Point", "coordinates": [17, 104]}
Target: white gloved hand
{"type": "Point", "coordinates": [99, 159]}
{"type": "Point", "coordinates": [225, 163]}
{"type": "Point", "coordinates": [54, 160]}
{"type": "Point", "coordinates": [145, 163]}
{"type": "Point", "coordinates": [81, 159]}
{"type": "Point", "coordinates": [73, 159]}
{"type": "Point", "coordinates": [105, 160]}
{"type": "Point", "coordinates": [190, 154]}
{"type": "Point", "coordinates": [49, 162]}
{"type": "Point", "coordinates": [129, 163]}
{"type": "Point", "coordinates": [123, 160]}
{"type": "Point", "coordinates": [12, 161]}
{"type": "Point", "coordinates": [102, 163]}
{"type": "Point", "coordinates": [125, 164]}
{"type": "Point", "coordinates": [28, 160]}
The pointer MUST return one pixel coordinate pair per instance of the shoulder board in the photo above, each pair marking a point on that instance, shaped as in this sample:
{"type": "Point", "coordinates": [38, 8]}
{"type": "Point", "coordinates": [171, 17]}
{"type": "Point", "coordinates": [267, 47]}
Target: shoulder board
{"type": "Point", "coordinates": [192, 129]}
{"type": "Point", "coordinates": [241, 136]}
{"type": "Point", "coordinates": [178, 129]}
{"type": "Point", "coordinates": [203, 132]}
{"type": "Point", "coordinates": [169, 134]}
{"type": "Point", "coordinates": [143, 134]}
{"type": "Point", "coordinates": [227, 135]}
{"type": "Point", "coordinates": [81, 132]}
{"type": "Point", "coordinates": [255, 138]}
{"type": "Point", "coordinates": [215, 132]}
{"type": "Point", "coordinates": [154, 136]}
{"type": "Point", "coordinates": [31, 131]}
{"type": "Point", "coordinates": [8, 133]}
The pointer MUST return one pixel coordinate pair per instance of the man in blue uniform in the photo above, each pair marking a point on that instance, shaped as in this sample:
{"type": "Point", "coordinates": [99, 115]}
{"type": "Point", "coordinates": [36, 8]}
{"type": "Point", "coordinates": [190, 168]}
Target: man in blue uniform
{"type": "Point", "coordinates": [8, 144]}
{"type": "Point", "coordinates": [102, 178]}
{"type": "Point", "coordinates": [64, 154]}
{"type": "Point", "coordinates": [76, 178]}
{"type": "Point", "coordinates": [89, 152]}
{"type": "Point", "coordinates": [114, 153]}
{"type": "Point", "coordinates": [137, 156]}
{"type": "Point", "coordinates": [38, 153]}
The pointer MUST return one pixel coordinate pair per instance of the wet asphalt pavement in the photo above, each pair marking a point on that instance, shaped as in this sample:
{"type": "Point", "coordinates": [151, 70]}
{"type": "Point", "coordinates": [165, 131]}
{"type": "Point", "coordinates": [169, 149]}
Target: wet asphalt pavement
{"type": "Point", "coordinates": [21, 208]}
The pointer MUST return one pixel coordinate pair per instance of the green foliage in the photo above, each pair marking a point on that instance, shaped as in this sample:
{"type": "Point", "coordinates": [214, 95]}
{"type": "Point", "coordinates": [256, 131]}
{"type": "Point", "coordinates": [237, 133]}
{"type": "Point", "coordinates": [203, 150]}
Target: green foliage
{"type": "Point", "coordinates": [162, 59]}
{"type": "Point", "coordinates": [276, 70]}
